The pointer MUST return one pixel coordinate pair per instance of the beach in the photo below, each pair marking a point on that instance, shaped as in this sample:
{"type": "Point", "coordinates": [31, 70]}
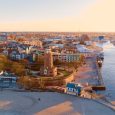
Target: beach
{"type": "Point", "coordinates": [50, 103]}
{"type": "Point", "coordinates": [87, 73]}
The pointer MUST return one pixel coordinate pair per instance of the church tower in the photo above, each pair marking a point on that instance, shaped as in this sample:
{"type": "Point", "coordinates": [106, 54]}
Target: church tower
{"type": "Point", "coordinates": [48, 59]}
{"type": "Point", "coordinates": [48, 69]}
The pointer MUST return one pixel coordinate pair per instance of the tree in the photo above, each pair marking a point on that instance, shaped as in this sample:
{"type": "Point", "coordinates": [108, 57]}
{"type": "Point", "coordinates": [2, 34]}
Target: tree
{"type": "Point", "coordinates": [82, 59]}
{"type": "Point", "coordinates": [42, 83]}
{"type": "Point", "coordinates": [73, 64]}
{"type": "Point", "coordinates": [1, 67]}
{"type": "Point", "coordinates": [3, 62]}
{"type": "Point", "coordinates": [29, 82]}
{"type": "Point", "coordinates": [23, 81]}
{"type": "Point", "coordinates": [8, 65]}
{"type": "Point", "coordinates": [57, 62]}
{"type": "Point", "coordinates": [40, 60]}
{"type": "Point", "coordinates": [24, 62]}
{"type": "Point", "coordinates": [17, 68]}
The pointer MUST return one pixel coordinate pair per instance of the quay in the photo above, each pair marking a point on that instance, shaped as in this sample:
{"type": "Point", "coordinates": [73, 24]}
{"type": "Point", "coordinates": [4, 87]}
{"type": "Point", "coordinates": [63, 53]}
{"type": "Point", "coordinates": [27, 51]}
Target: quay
{"type": "Point", "coordinates": [90, 73]}
{"type": "Point", "coordinates": [100, 85]}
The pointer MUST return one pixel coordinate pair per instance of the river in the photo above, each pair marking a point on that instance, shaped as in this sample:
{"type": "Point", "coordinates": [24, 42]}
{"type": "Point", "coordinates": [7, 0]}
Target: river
{"type": "Point", "coordinates": [108, 72]}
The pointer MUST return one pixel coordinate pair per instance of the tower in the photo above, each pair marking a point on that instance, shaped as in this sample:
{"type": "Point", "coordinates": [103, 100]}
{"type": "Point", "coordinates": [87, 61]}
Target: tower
{"type": "Point", "coordinates": [48, 69]}
{"type": "Point", "coordinates": [48, 59]}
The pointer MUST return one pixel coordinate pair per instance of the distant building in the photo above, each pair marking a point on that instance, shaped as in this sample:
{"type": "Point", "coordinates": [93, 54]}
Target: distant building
{"type": "Point", "coordinates": [48, 69]}
{"type": "Point", "coordinates": [56, 45]}
{"type": "Point", "coordinates": [3, 37]}
{"type": "Point", "coordinates": [101, 37]}
{"type": "Point", "coordinates": [33, 42]}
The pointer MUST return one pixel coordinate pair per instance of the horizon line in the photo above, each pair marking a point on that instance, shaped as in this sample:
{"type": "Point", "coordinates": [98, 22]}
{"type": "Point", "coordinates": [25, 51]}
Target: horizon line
{"type": "Point", "coordinates": [60, 31]}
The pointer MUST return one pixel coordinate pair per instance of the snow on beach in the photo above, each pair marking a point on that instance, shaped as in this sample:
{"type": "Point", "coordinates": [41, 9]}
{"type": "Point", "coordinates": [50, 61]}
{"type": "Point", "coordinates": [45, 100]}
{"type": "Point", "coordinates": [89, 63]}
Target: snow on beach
{"type": "Point", "coordinates": [50, 103]}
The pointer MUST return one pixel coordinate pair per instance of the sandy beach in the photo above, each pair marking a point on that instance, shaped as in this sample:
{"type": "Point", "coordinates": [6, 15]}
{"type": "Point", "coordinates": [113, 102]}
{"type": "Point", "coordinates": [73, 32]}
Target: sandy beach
{"type": "Point", "coordinates": [50, 103]}
{"type": "Point", "coordinates": [87, 73]}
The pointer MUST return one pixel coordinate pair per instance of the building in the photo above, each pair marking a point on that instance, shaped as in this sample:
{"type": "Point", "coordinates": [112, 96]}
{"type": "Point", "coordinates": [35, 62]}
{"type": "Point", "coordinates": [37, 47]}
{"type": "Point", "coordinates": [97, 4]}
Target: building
{"type": "Point", "coordinates": [48, 69]}
{"type": "Point", "coordinates": [33, 42]}
{"type": "Point", "coordinates": [3, 37]}
{"type": "Point", "coordinates": [66, 57]}
{"type": "Point", "coordinates": [15, 55]}
{"type": "Point", "coordinates": [101, 37]}
{"type": "Point", "coordinates": [73, 89]}
{"type": "Point", "coordinates": [8, 80]}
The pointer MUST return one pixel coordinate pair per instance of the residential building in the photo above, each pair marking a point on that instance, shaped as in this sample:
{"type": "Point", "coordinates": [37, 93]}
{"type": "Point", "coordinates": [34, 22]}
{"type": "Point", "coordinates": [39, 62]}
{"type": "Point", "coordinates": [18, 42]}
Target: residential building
{"type": "Point", "coordinates": [66, 57]}
{"type": "Point", "coordinates": [73, 89]}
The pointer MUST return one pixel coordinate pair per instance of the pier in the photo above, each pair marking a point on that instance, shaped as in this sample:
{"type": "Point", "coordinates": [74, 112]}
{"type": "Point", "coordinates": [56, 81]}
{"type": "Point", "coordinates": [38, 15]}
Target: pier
{"type": "Point", "coordinates": [100, 85]}
{"type": "Point", "coordinates": [90, 73]}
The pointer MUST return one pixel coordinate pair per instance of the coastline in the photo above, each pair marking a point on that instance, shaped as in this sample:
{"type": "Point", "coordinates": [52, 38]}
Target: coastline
{"type": "Point", "coordinates": [90, 73]}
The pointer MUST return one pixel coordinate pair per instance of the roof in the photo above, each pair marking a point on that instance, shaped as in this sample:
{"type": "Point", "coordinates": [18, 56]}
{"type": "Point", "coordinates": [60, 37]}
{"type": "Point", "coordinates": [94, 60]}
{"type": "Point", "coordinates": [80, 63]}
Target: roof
{"type": "Point", "coordinates": [73, 85]}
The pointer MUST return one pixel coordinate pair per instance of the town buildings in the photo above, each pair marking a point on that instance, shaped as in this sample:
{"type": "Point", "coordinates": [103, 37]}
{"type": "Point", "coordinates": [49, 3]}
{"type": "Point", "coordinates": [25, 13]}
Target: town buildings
{"type": "Point", "coordinates": [65, 47]}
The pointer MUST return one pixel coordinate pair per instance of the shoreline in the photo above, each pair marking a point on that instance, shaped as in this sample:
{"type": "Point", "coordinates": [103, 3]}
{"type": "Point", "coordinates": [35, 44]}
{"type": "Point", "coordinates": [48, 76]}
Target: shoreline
{"type": "Point", "coordinates": [93, 75]}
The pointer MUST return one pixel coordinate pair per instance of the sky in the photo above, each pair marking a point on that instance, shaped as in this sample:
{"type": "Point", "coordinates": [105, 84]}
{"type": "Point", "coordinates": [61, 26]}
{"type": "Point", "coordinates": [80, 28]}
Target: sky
{"type": "Point", "coordinates": [57, 15]}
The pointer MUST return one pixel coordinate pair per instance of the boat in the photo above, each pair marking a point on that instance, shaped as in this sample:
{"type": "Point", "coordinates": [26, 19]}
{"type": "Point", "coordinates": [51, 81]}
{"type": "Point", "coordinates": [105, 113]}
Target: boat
{"type": "Point", "coordinates": [100, 56]}
{"type": "Point", "coordinates": [99, 63]}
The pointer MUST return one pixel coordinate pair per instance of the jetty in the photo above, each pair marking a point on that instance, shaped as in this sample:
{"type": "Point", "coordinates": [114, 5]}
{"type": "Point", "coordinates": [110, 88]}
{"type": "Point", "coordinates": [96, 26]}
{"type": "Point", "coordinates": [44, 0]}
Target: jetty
{"type": "Point", "coordinates": [100, 85]}
{"type": "Point", "coordinates": [90, 73]}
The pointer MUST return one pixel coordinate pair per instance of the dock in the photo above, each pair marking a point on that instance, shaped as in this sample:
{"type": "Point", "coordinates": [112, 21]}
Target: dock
{"type": "Point", "coordinates": [90, 73]}
{"type": "Point", "coordinates": [100, 85]}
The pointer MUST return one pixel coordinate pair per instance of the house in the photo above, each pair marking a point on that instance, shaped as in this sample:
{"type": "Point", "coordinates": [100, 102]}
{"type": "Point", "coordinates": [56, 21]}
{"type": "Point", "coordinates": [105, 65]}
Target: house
{"type": "Point", "coordinates": [3, 37]}
{"type": "Point", "coordinates": [73, 89]}
{"type": "Point", "coordinates": [5, 52]}
{"type": "Point", "coordinates": [7, 80]}
{"type": "Point", "coordinates": [32, 57]}
{"type": "Point", "coordinates": [15, 55]}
